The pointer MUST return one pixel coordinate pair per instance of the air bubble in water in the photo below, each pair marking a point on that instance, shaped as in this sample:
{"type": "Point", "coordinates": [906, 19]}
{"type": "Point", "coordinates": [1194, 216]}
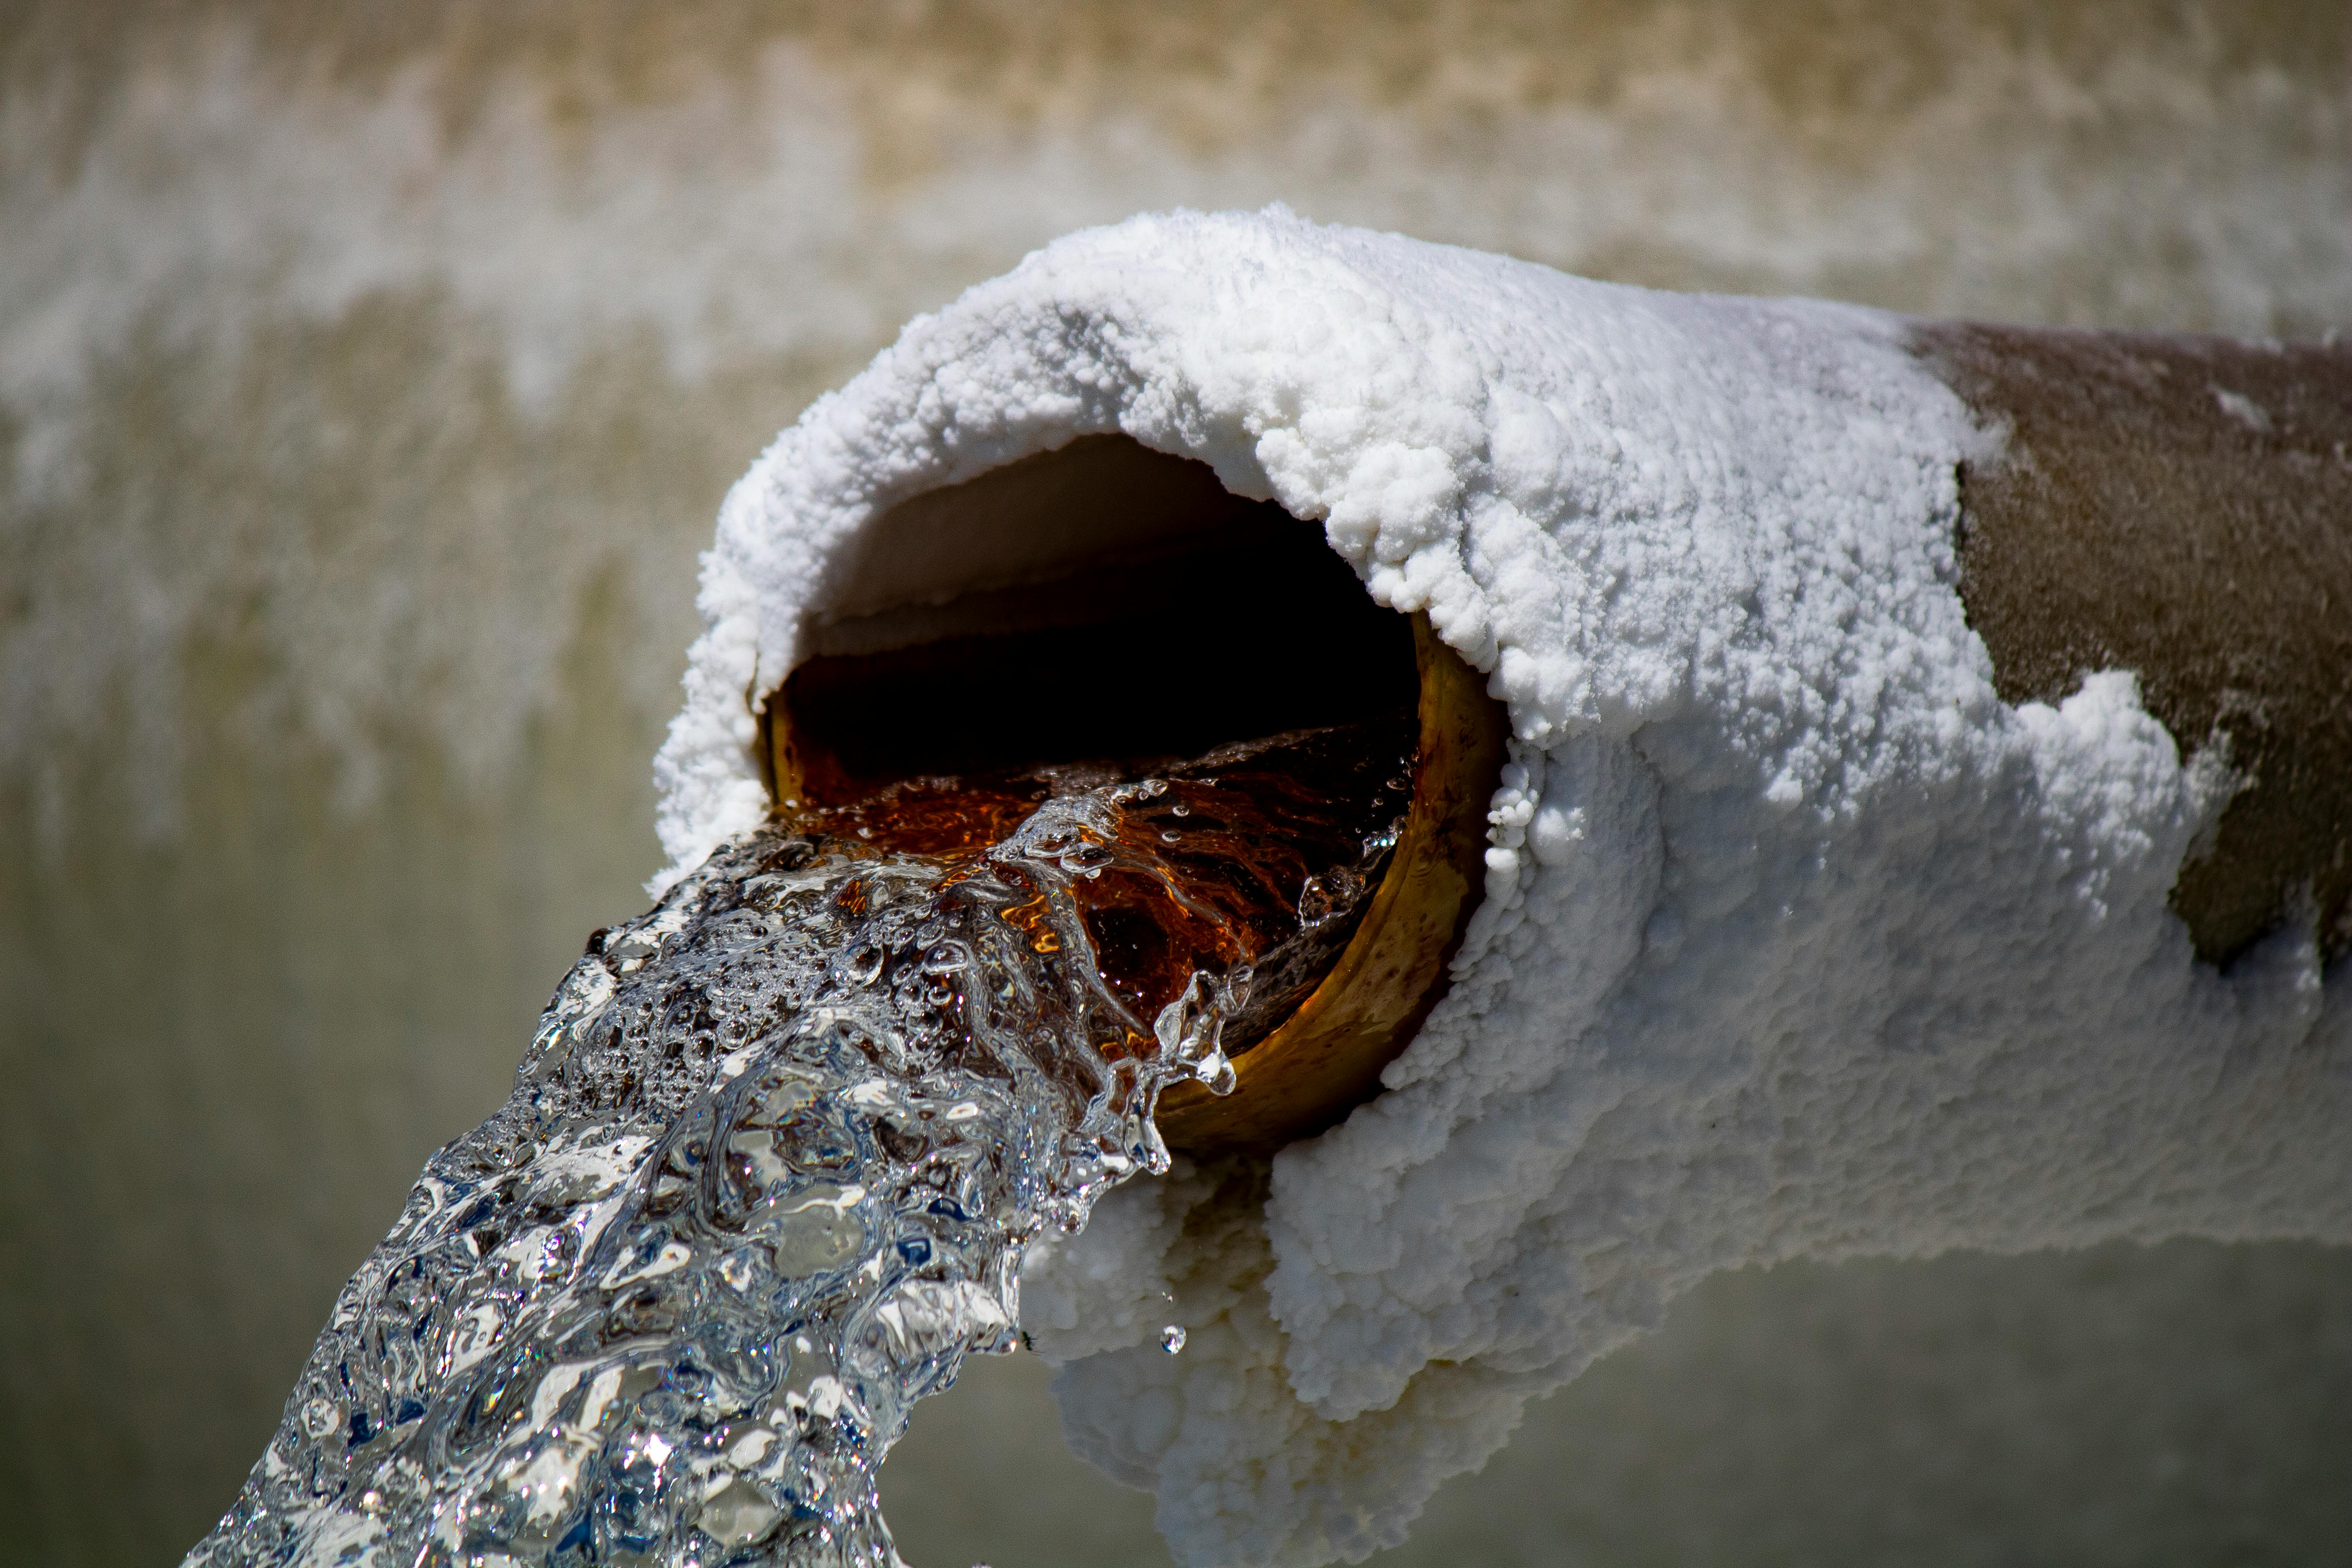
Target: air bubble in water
{"type": "Point", "coordinates": [736, 1514]}
{"type": "Point", "coordinates": [1172, 1338]}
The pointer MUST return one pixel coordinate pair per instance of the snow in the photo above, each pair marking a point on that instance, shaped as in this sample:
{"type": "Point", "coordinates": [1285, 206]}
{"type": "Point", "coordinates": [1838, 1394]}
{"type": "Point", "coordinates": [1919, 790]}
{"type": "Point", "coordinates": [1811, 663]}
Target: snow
{"type": "Point", "coordinates": [1797, 941]}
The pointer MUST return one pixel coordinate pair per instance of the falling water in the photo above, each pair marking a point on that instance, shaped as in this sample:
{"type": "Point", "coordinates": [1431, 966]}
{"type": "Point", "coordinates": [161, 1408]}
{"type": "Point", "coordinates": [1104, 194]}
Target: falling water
{"type": "Point", "coordinates": [771, 1161]}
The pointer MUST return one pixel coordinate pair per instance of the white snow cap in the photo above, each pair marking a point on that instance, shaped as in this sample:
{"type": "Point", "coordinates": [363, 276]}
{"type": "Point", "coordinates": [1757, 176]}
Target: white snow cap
{"type": "Point", "coordinates": [1797, 941]}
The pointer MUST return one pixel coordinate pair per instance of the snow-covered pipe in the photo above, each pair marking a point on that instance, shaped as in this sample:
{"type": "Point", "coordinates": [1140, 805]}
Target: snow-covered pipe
{"type": "Point", "coordinates": [1111, 600]}
{"type": "Point", "coordinates": [1845, 888]}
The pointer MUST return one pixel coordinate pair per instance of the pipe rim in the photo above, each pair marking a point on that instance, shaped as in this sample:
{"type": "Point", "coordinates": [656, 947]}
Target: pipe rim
{"type": "Point", "coordinates": [1325, 1059]}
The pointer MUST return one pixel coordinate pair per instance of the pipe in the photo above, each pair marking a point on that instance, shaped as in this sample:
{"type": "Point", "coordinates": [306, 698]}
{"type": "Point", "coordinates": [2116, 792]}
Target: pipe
{"type": "Point", "coordinates": [2179, 506]}
{"type": "Point", "coordinates": [1818, 920]}
{"type": "Point", "coordinates": [2174, 505]}
{"type": "Point", "coordinates": [1085, 655]}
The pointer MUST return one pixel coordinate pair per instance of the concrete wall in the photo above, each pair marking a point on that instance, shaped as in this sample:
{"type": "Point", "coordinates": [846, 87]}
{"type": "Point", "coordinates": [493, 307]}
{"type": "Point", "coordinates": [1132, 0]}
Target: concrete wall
{"type": "Point", "coordinates": [368, 382]}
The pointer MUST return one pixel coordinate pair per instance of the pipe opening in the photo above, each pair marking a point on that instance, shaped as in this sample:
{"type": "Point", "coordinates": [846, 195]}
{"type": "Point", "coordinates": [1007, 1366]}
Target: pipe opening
{"type": "Point", "coordinates": [1106, 604]}
{"type": "Point", "coordinates": [1103, 602]}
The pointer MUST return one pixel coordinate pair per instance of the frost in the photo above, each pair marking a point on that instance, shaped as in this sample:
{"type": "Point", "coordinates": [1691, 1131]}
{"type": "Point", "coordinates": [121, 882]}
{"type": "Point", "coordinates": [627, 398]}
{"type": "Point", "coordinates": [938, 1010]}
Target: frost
{"type": "Point", "coordinates": [1797, 941]}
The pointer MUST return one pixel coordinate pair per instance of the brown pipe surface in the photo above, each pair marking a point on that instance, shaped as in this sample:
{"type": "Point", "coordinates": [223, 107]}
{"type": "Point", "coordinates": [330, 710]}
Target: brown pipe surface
{"type": "Point", "coordinates": [2180, 506]}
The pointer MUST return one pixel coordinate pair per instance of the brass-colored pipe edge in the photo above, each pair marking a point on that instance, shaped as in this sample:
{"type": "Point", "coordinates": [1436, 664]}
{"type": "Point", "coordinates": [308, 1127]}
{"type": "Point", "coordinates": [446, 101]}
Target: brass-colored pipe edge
{"type": "Point", "coordinates": [1326, 1058]}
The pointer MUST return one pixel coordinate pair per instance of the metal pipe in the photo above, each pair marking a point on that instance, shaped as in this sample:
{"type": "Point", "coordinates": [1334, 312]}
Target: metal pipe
{"type": "Point", "coordinates": [2181, 506]}
{"type": "Point", "coordinates": [2178, 506]}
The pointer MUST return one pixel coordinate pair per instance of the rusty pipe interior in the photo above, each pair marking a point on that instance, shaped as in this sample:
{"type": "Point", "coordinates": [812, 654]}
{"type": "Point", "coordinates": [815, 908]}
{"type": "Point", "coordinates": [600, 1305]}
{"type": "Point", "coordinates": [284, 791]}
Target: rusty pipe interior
{"type": "Point", "coordinates": [1105, 601]}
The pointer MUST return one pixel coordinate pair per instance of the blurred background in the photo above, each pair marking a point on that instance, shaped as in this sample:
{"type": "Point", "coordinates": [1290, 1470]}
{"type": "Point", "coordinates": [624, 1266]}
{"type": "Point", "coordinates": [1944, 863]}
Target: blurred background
{"type": "Point", "coordinates": [370, 376]}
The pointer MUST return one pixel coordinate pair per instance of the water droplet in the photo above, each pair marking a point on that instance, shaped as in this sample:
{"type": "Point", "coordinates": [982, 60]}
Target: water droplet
{"type": "Point", "coordinates": [1216, 1071]}
{"type": "Point", "coordinates": [1172, 1338]}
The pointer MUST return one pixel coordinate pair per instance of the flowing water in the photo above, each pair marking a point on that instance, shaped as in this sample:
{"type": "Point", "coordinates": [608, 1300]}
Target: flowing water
{"type": "Point", "coordinates": [771, 1161]}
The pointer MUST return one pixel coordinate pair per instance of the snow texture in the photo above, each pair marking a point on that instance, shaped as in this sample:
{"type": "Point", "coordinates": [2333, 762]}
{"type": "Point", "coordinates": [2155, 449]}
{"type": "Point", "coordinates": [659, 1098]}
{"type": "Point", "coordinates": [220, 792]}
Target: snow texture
{"type": "Point", "coordinates": [1797, 941]}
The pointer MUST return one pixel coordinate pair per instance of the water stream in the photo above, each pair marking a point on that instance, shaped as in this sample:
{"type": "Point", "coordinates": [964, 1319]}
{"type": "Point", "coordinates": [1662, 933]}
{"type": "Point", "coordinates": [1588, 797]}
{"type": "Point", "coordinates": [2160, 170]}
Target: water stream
{"type": "Point", "coordinates": [773, 1158]}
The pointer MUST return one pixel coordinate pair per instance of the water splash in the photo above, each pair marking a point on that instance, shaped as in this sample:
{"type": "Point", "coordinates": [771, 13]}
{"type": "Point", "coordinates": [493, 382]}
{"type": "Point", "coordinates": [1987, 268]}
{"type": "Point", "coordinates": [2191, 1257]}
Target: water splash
{"type": "Point", "coordinates": [772, 1160]}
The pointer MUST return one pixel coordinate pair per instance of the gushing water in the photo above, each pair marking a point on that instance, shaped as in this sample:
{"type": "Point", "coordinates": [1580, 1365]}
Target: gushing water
{"type": "Point", "coordinates": [772, 1160]}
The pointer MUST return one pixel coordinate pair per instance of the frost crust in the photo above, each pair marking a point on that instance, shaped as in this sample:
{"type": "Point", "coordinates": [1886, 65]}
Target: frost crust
{"type": "Point", "coordinates": [1797, 941]}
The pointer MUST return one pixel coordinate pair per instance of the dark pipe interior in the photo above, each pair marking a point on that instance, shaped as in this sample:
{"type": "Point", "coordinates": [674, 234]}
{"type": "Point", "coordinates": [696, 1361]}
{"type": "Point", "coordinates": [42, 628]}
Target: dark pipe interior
{"type": "Point", "coordinates": [1245, 627]}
